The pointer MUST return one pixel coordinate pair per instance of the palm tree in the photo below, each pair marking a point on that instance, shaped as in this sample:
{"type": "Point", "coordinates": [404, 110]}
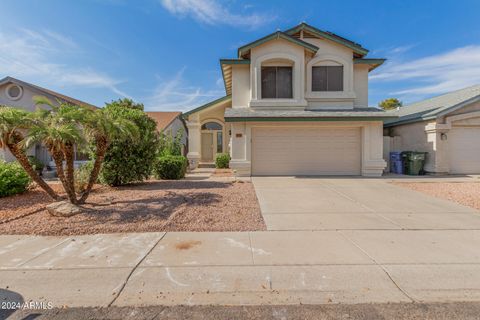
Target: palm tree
{"type": "Point", "coordinates": [13, 124]}
{"type": "Point", "coordinates": [100, 128]}
{"type": "Point", "coordinates": [59, 128]}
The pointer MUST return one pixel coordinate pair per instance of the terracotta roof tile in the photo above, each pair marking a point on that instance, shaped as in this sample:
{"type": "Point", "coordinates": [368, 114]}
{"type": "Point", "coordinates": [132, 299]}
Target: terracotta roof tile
{"type": "Point", "coordinates": [163, 118]}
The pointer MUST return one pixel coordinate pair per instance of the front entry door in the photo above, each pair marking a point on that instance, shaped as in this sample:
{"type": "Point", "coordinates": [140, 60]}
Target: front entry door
{"type": "Point", "coordinates": [207, 146]}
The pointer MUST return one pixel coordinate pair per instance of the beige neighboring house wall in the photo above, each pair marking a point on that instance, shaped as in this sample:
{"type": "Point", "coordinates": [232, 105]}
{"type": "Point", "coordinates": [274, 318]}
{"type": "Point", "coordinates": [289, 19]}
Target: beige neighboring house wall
{"type": "Point", "coordinates": [447, 127]}
{"type": "Point", "coordinates": [194, 124]}
{"type": "Point", "coordinates": [25, 101]}
{"type": "Point", "coordinates": [325, 120]}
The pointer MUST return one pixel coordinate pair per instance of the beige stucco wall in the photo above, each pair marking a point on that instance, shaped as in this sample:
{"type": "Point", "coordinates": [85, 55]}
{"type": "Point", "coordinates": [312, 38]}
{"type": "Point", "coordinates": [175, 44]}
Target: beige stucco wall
{"type": "Point", "coordinates": [240, 86]}
{"type": "Point", "coordinates": [330, 53]}
{"type": "Point", "coordinates": [426, 136]}
{"type": "Point", "coordinates": [278, 49]}
{"type": "Point", "coordinates": [414, 138]}
{"type": "Point", "coordinates": [360, 85]}
{"type": "Point", "coordinates": [26, 101]}
{"type": "Point", "coordinates": [246, 89]}
{"type": "Point", "coordinates": [194, 123]}
{"type": "Point", "coordinates": [372, 143]}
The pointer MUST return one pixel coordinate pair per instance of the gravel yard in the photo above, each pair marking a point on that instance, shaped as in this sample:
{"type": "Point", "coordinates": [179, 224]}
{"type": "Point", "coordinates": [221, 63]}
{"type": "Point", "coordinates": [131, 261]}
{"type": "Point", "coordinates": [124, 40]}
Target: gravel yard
{"type": "Point", "coordinates": [465, 193]}
{"type": "Point", "coordinates": [151, 206]}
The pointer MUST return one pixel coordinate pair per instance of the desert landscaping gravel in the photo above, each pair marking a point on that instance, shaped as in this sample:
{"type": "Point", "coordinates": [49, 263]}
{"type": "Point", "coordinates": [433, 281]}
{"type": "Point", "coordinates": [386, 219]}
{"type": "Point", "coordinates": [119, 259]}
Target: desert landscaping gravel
{"type": "Point", "coordinates": [465, 193]}
{"type": "Point", "coordinates": [146, 207]}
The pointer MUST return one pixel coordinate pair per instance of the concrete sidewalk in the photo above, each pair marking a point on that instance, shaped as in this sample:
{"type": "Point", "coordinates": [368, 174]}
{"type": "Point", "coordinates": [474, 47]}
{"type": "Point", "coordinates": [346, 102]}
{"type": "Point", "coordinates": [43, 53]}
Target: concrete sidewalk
{"type": "Point", "coordinates": [249, 268]}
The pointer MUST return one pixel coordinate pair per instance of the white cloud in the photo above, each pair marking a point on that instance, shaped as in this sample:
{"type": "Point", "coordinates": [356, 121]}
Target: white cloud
{"type": "Point", "coordinates": [34, 56]}
{"type": "Point", "coordinates": [434, 74]}
{"type": "Point", "coordinates": [212, 12]}
{"type": "Point", "coordinates": [175, 94]}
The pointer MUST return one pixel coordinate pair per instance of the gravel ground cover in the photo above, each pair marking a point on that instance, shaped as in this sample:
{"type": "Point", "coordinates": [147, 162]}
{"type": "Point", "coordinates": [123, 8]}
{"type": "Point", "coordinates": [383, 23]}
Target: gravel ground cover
{"type": "Point", "coordinates": [223, 173]}
{"type": "Point", "coordinates": [146, 207]}
{"type": "Point", "coordinates": [465, 193]}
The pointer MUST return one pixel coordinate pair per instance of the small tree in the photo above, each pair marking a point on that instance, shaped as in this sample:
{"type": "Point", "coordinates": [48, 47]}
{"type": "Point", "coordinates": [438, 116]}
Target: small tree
{"type": "Point", "coordinates": [128, 159]}
{"type": "Point", "coordinates": [169, 145]}
{"type": "Point", "coordinates": [13, 125]}
{"type": "Point", "coordinates": [390, 104]}
{"type": "Point", "coordinates": [101, 127]}
{"type": "Point", "coordinates": [60, 129]}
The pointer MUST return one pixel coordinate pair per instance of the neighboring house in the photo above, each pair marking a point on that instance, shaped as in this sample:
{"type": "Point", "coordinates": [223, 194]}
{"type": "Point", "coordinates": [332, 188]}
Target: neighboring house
{"type": "Point", "coordinates": [170, 123]}
{"type": "Point", "coordinates": [296, 104]}
{"type": "Point", "coordinates": [447, 127]}
{"type": "Point", "coordinates": [17, 93]}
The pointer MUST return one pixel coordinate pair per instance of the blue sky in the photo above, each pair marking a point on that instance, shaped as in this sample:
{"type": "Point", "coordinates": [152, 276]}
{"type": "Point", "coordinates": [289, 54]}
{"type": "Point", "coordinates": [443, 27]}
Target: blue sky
{"type": "Point", "coordinates": [165, 53]}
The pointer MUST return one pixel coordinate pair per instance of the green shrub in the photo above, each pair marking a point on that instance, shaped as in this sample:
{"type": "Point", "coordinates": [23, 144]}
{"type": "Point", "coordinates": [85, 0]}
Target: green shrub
{"type": "Point", "coordinates": [130, 160]}
{"type": "Point", "coordinates": [82, 175]}
{"type": "Point", "coordinates": [169, 145]}
{"type": "Point", "coordinates": [13, 179]}
{"type": "Point", "coordinates": [170, 167]}
{"type": "Point", "coordinates": [222, 161]}
{"type": "Point", "coordinates": [37, 165]}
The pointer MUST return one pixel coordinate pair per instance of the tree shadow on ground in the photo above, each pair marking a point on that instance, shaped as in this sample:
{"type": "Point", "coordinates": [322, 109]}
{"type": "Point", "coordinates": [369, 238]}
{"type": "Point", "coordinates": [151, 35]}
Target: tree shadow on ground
{"type": "Point", "coordinates": [175, 184]}
{"type": "Point", "coordinates": [149, 207]}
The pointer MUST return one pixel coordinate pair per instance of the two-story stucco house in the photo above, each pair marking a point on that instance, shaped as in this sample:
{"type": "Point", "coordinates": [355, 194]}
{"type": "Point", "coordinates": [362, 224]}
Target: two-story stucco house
{"type": "Point", "coordinates": [296, 104]}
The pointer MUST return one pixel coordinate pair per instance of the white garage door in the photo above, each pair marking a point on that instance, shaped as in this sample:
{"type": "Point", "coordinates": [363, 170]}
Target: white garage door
{"type": "Point", "coordinates": [306, 151]}
{"type": "Point", "coordinates": [464, 150]}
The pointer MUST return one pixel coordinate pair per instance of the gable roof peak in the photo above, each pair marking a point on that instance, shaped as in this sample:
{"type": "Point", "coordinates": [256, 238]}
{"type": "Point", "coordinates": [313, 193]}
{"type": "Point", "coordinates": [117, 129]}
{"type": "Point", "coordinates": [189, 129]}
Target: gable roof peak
{"type": "Point", "coordinates": [57, 95]}
{"type": "Point", "coordinates": [303, 26]}
{"type": "Point", "coordinates": [243, 51]}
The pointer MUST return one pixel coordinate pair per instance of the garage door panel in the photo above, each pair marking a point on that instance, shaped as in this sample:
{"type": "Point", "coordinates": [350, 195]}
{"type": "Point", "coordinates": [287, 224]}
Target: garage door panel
{"type": "Point", "coordinates": [464, 150]}
{"type": "Point", "coordinates": [306, 151]}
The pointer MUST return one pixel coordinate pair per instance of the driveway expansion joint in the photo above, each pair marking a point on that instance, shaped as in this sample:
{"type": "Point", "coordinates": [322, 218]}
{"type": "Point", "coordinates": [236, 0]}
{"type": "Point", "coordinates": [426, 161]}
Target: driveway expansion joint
{"type": "Point", "coordinates": [133, 270]}
{"type": "Point", "coordinates": [381, 266]}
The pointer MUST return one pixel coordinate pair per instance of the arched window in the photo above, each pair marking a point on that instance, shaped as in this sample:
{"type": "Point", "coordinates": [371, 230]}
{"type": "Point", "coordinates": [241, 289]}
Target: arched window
{"type": "Point", "coordinates": [211, 126]}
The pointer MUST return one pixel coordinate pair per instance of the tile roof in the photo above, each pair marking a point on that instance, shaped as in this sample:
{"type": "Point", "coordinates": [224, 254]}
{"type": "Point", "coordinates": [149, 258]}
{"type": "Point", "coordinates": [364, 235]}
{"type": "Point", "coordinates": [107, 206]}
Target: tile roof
{"type": "Point", "coordinates": [163, 118]}
{"type": "Point", "coordinates": [356, 113]}
{"type": "Point", "coordinates": [430, 108]}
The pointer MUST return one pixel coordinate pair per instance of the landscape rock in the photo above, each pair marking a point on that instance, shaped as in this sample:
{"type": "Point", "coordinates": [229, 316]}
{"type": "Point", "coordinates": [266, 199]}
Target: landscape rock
{"type": "Point", "coordinates": [63, 209]}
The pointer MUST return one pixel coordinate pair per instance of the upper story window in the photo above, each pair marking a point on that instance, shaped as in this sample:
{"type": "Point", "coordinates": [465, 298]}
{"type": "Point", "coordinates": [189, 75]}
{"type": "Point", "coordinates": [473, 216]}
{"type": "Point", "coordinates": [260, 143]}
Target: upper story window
{"type": "Point", "coordinates": [327, 78]}
{"type": "Point", "coordinates": [277, 82]}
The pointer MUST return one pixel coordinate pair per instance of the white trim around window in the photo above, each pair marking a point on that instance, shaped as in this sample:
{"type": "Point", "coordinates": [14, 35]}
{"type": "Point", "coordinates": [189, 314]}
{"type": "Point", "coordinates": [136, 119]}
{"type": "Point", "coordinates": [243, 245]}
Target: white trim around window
{"type": "Point", "coordinates": [330, 60]}
{"type": "Point", "coordinates": [298, 76]}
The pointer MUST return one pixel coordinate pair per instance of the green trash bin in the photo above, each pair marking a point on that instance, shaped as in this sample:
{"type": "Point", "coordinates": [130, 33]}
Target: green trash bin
{"type": "Point", "coordinates": [413, 162]}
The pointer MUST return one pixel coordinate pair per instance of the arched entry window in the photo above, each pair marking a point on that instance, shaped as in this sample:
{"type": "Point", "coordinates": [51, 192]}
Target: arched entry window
{"type": "Point", "coordinates": [212, 140]}
{"type": "Point", "coordinates": [211, 126]}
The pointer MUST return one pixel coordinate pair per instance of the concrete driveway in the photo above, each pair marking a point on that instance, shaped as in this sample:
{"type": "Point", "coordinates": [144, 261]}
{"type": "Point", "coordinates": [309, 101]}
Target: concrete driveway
{"type": "Point", "coordinates": [291, 203]}
{"type": "Point", "coordinates": [330, 241]}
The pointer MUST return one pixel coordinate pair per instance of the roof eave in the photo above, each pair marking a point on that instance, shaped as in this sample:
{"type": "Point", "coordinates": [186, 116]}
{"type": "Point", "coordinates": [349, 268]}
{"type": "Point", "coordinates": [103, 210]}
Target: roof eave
{"type": "Point", "coordinates": [276, 35]}
{"type": "Point", "coordinates": [372, 62]}
{"type": "Point", "coordinates": [303, 26]}
{"type": "Point", "coordinates": [207, 105]}
{"type": "Point", "coordinates": [455, 107]}
{"type": "Point", "coordinates": [299, 119]}
{"type": "Point", "coordinates": [226, 64]}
